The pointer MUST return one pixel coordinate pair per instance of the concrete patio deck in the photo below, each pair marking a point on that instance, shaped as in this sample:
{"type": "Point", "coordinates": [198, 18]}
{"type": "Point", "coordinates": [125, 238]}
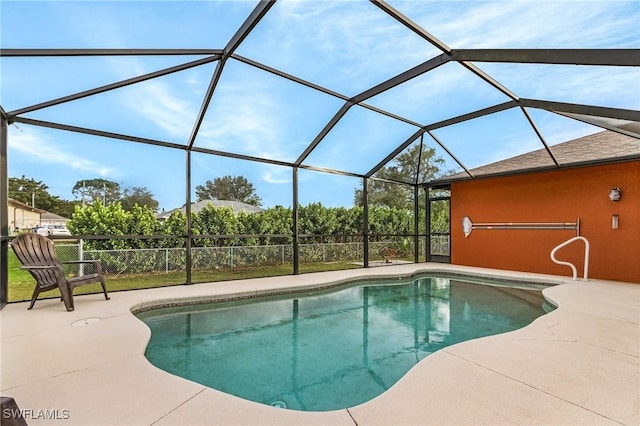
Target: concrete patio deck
{"type": "Point", "coordinates": [579, 364]}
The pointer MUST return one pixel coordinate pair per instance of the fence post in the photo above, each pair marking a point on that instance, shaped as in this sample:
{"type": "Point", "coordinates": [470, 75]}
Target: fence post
{"type": "Point", "coordinates": [166, 260]}
{"type": "Point", "coordinates": [81, 256]}
{"type": "Point", "coordinates": [324, 251]}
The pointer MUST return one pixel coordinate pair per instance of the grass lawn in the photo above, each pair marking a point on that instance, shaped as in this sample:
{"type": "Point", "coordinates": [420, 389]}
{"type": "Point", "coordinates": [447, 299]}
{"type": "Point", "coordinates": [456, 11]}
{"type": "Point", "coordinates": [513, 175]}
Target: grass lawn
{"type": "Point", "coordinates": [21, 283]}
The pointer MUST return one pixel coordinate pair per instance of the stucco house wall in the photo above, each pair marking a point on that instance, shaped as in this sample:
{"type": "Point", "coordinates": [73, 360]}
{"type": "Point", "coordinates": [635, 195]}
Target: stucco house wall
{"type": "Point", "coordinates": [22, 216]}
{"type": "Point", "coordinates": [554, 196]}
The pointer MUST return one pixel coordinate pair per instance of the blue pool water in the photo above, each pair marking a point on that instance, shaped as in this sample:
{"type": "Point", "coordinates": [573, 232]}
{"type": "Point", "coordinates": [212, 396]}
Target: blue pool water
{"type": "Point", "coordinates": [330, 350]}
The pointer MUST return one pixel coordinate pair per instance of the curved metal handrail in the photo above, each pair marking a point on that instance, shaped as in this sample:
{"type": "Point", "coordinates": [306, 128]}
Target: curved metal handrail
{"type": "Point", "coordinates": [569, 264]}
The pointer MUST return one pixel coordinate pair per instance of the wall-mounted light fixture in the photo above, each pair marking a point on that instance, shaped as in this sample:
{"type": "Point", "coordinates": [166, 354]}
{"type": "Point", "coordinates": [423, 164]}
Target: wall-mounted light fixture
{"type": "Point", "coordinates": [615, 194]}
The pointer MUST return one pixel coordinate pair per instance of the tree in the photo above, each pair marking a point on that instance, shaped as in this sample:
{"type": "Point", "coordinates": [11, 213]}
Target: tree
{"type": "Point", "coordinates": [314, 218]}
{"type": "Point", "coordinates": [36, 194]}
{"type": "Point", "coordinates": [98, 219]}
{"type": "Point", "coordinates": [403, 168]}
{"type": "Point", "coordinates": [140, 196]}
{"type": "Point", "coordinates": [230, 188]}
{"type": "Point", "coordinates": [92, 190]}
{"type": "Point", "coordinates": [142, 221]}
{"type": "Point", "coordinates": [215, 221]}
{"type": "Point", "coordinates": [385, 220]}
{"type": "Point", "coordinates": [350, 221]}
{"type": "Point", "coordinates": [276, 220]}
{"type": "Point", "coordinates": [175, 224]}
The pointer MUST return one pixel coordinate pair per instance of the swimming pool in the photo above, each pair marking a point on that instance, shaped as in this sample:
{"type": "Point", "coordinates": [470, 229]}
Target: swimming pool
{"type": "Point", "coordinates": [328, 350]}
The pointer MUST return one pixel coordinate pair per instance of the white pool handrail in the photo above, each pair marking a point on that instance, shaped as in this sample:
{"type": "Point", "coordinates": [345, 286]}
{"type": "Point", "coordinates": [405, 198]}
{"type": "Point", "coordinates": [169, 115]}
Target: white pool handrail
{"type": "Point", "coordinates": [569, 264]}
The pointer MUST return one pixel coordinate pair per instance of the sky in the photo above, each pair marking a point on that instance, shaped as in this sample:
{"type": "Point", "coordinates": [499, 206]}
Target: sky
{"type": "Point", "coordinates": [346, 46]}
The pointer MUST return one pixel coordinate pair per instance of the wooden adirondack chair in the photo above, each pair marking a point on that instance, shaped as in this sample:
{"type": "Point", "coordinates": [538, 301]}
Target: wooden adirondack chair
{"type": "Point", "coordinates": [38, 256]}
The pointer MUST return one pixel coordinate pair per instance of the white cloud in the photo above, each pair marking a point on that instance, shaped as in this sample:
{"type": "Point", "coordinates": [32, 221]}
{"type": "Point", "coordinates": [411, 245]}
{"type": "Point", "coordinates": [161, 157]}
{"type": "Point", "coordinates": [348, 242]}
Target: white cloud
{"type": "Point", "coordinates": [96, 24]}
{"type": "Point", "coordinates": [604, 86]}
{"type": "Point", "coordinates": [528, 24]}
{"type": "Point", "coordinates": [243, 117]}
{"type": "Point", "coordinates": [242, 127]}
{"type": "Point", "coordinates": [276, 175]}
{"type": "Point", "coordinates": [46, 150]}
{"type": "Point", "coordinates": [356, 44]}
{"type": "Point", "coordinates": [155, 102]}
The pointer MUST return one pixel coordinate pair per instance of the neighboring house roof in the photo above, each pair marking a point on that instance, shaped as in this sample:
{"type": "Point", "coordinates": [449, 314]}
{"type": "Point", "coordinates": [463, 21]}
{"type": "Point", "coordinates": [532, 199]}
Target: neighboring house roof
{"type": "Point", "coordinates": [592, 148]}
{"type": "Point", "coordinates": [24, 206]}
{"type": "Point", "coordinates": [52, 217]}
{"type": "Point", "coordinates": [196, 207]}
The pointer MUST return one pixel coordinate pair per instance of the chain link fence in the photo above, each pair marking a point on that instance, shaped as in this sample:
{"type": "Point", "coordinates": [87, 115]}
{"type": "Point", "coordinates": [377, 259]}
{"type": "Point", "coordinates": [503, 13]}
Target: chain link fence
{"type": "Point", "coordinates": [127, 261]}
{"type": "Point", "coordinates": [440, 244]}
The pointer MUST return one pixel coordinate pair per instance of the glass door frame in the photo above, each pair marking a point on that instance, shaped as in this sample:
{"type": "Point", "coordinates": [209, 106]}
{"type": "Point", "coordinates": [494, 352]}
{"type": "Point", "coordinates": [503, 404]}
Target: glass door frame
{"type": "Point", "coordinates": [429, 199]}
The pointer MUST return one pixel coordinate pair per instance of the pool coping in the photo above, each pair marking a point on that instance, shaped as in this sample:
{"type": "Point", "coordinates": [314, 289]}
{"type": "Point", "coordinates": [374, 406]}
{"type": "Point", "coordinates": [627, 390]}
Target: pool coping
{"type": "Point", "coordinates": [578, 364]}
{"type": "Point", "coordinates": [439, 273]}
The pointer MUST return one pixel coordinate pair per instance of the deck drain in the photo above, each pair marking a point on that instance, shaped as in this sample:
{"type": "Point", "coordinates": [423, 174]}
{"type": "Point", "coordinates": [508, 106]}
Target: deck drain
{"type": "Point", "coordinates": [85, 321]}
{"type": "Point", "coordinates": [279, 404]}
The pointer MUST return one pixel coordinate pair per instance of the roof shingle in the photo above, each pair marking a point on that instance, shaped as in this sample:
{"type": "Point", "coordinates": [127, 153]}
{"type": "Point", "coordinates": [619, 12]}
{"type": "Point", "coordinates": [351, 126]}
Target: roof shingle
{"type": "Point", "coordinates": [597, 147]}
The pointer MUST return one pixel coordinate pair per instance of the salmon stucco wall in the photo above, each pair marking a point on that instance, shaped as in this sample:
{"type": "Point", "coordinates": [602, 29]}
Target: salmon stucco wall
{"type": "Point", "coordinates": [555, 196]}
